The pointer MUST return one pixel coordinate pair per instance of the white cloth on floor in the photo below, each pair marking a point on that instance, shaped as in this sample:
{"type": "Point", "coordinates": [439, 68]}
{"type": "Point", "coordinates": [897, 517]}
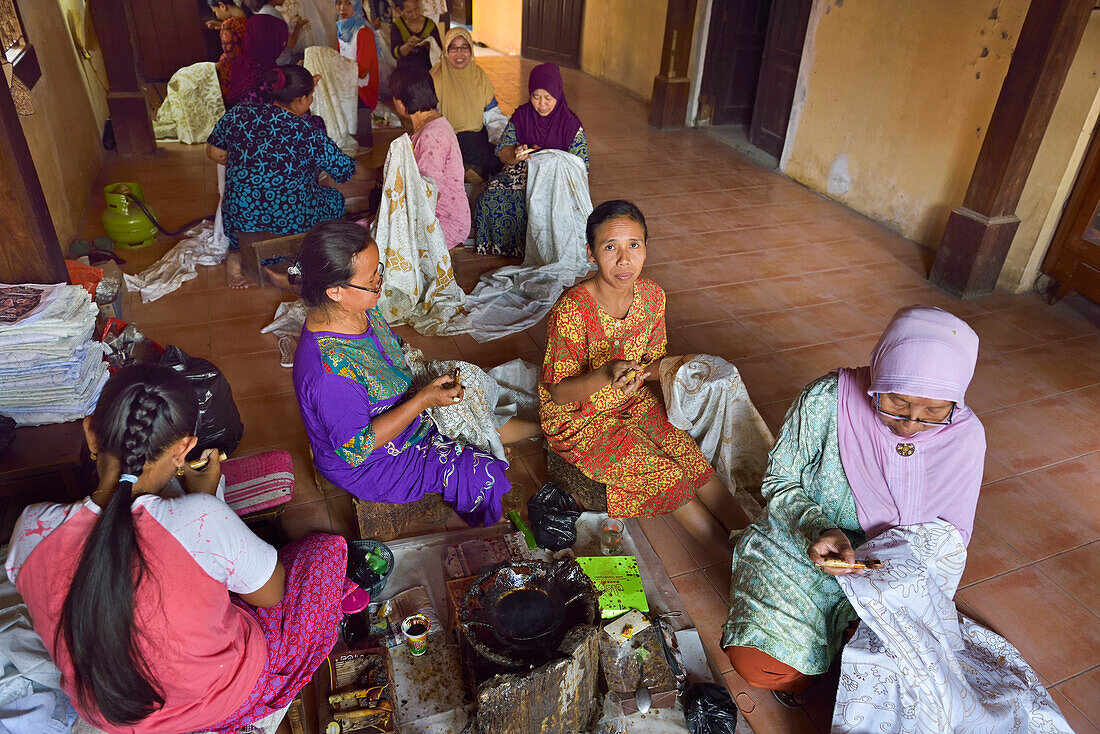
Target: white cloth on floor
{"type": "Point", "coordinates": [705, 396]}
{"type": "Point", "coordinates": [199, 246]}
{"type": "Point", "coordinates": [915, 665]}
{"type": "Point", "coordinates": [50, 368]}
{"type": "Point", "coordinates": [192, 105]}
{"type": "Point", "coordinates": [336, 96]}
{"type": "Point", "coordinates": [495, 121]}
{"type": "Point", "coordinates": [419, 287]}
{"type": "Point", "coordinates": [516, 297]}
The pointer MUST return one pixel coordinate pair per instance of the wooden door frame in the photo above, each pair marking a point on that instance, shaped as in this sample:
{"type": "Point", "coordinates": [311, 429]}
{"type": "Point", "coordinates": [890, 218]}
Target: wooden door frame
{"type": "Point", "coordinates": [29, 249]}
{"type": "Point", "coordinates": [1074, 215]}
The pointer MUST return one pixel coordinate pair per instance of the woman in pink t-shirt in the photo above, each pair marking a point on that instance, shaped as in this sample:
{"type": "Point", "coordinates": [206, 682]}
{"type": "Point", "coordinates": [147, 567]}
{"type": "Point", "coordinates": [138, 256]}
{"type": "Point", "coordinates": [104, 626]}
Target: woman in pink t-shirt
{"type": "Point", "coordinates": [435, 145]}
{"type": "Point", "coordinates": [130, 589]}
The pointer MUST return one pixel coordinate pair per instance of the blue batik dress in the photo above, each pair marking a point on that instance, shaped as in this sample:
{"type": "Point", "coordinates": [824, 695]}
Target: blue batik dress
{"type": "Point", "coordinates": [271, 174]}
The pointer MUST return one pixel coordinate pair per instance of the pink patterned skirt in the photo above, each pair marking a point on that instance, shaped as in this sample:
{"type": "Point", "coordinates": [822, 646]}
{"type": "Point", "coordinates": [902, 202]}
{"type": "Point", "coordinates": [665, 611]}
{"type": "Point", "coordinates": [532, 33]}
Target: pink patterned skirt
{"type": "Point", "coordinates": [301, 630]}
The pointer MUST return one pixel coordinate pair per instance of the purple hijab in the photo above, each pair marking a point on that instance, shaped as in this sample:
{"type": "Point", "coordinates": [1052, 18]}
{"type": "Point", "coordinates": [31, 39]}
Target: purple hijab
{"type": "Point", "coordinates": [935, 474]}
{"type": "Point", "coordinates": [557, 129]}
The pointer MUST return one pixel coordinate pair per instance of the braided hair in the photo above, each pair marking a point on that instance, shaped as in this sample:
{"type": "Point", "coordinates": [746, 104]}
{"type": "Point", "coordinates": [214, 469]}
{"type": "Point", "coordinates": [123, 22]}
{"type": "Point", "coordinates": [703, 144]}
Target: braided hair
{"type": "Point", "coordinates": [142, 411]}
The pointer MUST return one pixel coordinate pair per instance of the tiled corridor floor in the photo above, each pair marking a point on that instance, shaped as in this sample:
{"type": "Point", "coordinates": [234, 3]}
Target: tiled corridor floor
{"type": "Point", "coordinates": [785, 284]}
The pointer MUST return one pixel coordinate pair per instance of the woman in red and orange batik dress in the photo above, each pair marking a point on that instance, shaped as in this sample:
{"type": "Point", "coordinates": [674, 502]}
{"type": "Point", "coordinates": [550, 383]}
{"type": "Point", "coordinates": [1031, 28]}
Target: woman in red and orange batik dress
{"type": "Point", "coordinates": [597, 411]}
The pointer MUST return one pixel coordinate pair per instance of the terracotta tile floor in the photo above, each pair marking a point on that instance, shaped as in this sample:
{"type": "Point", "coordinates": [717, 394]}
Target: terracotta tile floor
{"type": "Point", "coordinates": [788, 286]}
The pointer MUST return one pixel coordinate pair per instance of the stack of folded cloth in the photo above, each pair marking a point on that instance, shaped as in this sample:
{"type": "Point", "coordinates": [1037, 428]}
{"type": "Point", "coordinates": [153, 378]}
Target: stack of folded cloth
{"type": "Point", "coordinates": [51, 370]}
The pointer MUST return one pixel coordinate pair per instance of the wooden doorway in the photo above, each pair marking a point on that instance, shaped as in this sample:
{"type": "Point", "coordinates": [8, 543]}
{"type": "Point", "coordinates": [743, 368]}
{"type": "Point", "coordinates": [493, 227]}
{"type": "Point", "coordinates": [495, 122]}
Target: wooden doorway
{"type": "Point", "coordinates": [1073, 260]}
{"type": "Point", "coordinates": [754, 48]}
{"type": "Point", "coordinates": [735, 48]}
{"type": "Point", "coordinates": [779, 74]}
{"type": "Point", "coordinates": [552, 31]}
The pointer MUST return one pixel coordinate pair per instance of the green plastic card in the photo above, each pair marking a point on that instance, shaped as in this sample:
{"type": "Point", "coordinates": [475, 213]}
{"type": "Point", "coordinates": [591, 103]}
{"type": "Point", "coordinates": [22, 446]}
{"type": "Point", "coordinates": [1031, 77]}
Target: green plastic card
{"type": "Point", "coordinates": [618, 579]}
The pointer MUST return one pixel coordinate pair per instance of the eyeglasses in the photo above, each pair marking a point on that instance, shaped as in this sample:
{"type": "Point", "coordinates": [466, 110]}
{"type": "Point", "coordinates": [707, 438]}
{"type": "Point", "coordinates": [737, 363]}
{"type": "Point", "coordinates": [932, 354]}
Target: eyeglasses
{"type": "Point", "coordinates": [880, 411]}
{"type": "Point", "coordinates": [381, 272]}
{"type": "Point", "coordinates": [456, 49]}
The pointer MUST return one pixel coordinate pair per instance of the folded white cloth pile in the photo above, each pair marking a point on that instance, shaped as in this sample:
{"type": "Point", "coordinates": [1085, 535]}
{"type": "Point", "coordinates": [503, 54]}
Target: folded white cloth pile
{"type": "Point", "coordinates": [50, 368]}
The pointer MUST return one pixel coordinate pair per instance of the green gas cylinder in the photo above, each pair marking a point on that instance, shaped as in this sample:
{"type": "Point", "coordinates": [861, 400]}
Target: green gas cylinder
{"type": "Point", "coordinates": [123, 219]}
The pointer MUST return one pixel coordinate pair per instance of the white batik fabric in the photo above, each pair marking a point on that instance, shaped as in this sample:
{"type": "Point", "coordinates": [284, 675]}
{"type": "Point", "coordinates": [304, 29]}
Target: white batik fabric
{"type": "Point", "coordinates": [419, 287]}
{"type": "Point", "coordinates": [199, 246]}
{"type": "Point", "coordinates": [474, 419]}
{"type": "Point", "coordinates": [915, 665]}
{"type": "Point", "coordinates": [516, 297]}
{"type": "Point", "coordinates": [192, 105]}
{"type": "Point", "coordinates": [705, 396]}
{"type": "Point", "coordinates": [336, 96]}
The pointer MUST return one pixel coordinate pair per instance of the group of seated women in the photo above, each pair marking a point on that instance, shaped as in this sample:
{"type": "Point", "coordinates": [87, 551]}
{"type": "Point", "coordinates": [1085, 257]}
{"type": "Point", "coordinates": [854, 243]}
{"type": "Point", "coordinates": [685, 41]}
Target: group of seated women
{"type": "Point", "coordinates": [276, 153]}
{"type": "Point", "coordinates": [165, 613]}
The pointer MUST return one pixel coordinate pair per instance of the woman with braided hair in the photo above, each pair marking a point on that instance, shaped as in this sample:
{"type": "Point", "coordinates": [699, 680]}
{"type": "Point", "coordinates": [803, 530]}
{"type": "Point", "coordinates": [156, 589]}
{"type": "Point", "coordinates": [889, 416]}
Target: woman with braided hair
{"type": "Point", "coordinates": [165, 613]}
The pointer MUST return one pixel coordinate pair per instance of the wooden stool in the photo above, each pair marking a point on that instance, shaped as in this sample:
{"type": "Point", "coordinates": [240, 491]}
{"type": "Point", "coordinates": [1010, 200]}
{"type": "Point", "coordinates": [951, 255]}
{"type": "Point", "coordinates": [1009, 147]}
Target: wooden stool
{"type": "Point", "coordinates": [383, 521]}
{"type": "Point", "coordinates": [258, 487]}
{"type": "Point", "coordinates": [589, 494]}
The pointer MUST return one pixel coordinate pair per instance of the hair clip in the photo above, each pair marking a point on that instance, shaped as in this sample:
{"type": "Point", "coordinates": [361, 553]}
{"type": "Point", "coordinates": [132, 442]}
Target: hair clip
{"type": "Point", "coordinates": [294, 269]}
{"type": "Point", "coordinates": [280, 78]}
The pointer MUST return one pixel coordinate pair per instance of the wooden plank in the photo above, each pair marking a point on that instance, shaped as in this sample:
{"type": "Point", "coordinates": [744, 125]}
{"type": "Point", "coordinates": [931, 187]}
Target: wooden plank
{"type": "Point", "coordinates": [29, 250]}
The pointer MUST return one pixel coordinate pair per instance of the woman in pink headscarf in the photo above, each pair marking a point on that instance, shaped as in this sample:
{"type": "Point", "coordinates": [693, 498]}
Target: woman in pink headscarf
{"type": "Point", "coordinates": [861, 451]}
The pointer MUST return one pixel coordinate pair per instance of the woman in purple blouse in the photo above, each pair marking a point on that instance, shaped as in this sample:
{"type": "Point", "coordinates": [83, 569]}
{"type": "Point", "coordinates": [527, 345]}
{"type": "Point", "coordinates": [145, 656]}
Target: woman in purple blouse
{"type": "Point", "coordinates": [368, 428]}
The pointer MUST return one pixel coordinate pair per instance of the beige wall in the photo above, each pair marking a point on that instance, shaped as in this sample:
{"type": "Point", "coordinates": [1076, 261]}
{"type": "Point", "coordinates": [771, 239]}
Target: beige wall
{"type": "Point", "coordinates": [893, 108]}
{"type": "Point", "coordinates": [499, 24]}
{"type": "Point", "coordinates": [1055, 170]}
{"type": "Point", "coordinates": [621, 42]}
{"type": "Point", "coordinates": [70, 106]}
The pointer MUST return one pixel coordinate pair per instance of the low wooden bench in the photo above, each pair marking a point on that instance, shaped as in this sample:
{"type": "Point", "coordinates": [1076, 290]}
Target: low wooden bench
{"type": "Point", "coordinates": [259, 246]}
{"type": "Point", "coordinates": [589, 494]}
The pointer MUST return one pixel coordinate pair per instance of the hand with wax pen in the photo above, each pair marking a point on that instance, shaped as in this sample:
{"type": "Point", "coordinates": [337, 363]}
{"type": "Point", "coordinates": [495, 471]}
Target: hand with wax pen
{"type": "Point", "coordinates": [203, 474]}
{"type": "Point", "coordinates": [443, 390]}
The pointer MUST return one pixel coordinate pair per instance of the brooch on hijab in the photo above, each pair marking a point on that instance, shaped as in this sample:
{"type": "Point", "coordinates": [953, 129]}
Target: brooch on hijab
{"type": "Point", "coordinates": [905, 449]}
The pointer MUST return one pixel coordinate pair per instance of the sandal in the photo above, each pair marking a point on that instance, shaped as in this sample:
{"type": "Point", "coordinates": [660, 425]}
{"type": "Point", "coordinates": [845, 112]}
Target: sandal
{"type": "Point", "coordinates": [287, 346]}
{"type": "Point", "coordinates": [788, 700]}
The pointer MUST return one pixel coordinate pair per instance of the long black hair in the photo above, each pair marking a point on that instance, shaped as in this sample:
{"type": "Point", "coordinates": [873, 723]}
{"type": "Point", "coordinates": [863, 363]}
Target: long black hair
{"type": "Point", "coordinates": [142, 411]}
{"type": "Point", "coordinates": [613, 209]}
{"type": "Point", "coordinates": [325, 259]}
{"type": "Point", "coordinates": [285, 84]}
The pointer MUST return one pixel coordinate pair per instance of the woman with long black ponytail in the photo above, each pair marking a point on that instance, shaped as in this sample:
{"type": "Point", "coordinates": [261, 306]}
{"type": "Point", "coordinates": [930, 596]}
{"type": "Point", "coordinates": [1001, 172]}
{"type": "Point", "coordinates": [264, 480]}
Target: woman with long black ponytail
{"type": "Point", "coordinates": [165, 613]}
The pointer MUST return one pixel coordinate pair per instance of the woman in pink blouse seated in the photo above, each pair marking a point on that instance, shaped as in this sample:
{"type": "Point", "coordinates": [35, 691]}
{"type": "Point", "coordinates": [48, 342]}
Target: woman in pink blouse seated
{"type": "Point", "coordinates": [435, 146]}
{"type": "Point", "coordinates": [168, 614]}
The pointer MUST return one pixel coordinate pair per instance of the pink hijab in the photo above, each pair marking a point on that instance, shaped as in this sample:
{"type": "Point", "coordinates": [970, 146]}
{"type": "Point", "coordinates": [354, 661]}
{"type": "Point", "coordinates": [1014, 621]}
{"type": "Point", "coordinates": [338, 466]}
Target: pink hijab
{"type": "Point", "coordinates": [936, 474]}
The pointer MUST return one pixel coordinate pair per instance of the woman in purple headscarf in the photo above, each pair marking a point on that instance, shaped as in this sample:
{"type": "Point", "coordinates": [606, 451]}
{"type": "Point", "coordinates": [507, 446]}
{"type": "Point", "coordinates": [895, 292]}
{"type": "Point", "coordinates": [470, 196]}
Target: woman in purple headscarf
{"type": "Point", "coordinates": [265, 37]}
{"type": "Point", "coordinates": [861, 451]}
{"type": "Point", "coordinates": [544, 122]}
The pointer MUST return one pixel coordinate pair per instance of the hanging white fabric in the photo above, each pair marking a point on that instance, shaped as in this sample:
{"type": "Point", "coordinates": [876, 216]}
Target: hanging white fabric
{"type": "Point", "coordinates": [336, 95]}
{"type": "Point", "coordinates": [192, 105]}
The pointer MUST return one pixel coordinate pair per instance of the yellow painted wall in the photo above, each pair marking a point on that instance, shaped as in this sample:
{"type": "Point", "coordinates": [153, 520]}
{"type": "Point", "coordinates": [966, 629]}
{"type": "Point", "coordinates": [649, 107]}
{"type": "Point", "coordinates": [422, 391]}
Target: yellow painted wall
{"type": "Point", "coordinates": [903, 91]}
{"type": "Point", "coordinates": [621, 42]}
{"type": "Point", "coordinates": [65, 131]}
{"type": "Point", "coordinates": [1056, 165]}
{"type": "Point", "coordinates": [499, 24]}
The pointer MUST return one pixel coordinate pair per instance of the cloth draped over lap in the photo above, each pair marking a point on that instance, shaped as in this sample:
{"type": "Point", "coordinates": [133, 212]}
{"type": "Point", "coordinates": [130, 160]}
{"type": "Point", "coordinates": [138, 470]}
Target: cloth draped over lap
{"type": "Point", "coordinates": [336, 96]}
{"type": "Point", "coordinates": [915, 665]}
{"type": "Point", "coordinates": [705, 396]}
{"type": "Point", "coordinates": [192, 105]}
{"type": "Point", "coordinates": [420, 288]}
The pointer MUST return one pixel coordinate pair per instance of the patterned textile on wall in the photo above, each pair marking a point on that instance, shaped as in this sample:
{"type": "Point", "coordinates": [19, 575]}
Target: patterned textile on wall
{"type": "Point", "coordinates": [917, 666]}
{"type": "Point", "coordinates": [192, 106]}
{"type": "Point", "coordinates": [420, 287]}
{"type": "Point", "coordinates": [705, 396]}
{"type": "Point", "coordinates": [336, 96]}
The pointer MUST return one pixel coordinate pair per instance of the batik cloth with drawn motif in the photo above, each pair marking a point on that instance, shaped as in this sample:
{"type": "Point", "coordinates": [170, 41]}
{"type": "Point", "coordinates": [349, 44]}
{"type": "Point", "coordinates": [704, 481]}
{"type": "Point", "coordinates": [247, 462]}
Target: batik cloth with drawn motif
{"type": "Point", "coordinates": [343, 382]}
{"type": "Point", "coordinates": [649, 466]}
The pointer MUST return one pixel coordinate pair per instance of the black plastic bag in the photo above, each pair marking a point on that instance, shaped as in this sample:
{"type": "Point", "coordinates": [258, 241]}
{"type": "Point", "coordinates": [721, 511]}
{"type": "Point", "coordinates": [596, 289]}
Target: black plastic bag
{"type": "Point", "coordinates": [220, 424]}
{"type": "Point", "coordinates": [552, 515]}
{"type": "Point", "coordinates": [708, 709]}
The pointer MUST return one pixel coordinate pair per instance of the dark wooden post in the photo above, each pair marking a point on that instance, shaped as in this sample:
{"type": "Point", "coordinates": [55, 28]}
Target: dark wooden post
{"type": "Point", "coordinates": [126, 98]}
{"type": "Point", "coordinates": [668, 107]}
{"type": "Point", "coordinates": [979, 233]}
{"type": "Point", "coordinates": [29, 251]}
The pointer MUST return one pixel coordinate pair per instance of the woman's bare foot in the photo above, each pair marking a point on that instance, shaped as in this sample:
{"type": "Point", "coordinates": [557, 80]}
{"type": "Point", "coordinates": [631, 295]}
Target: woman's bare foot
{"type": "Point", "coordinates": [234, 275]}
